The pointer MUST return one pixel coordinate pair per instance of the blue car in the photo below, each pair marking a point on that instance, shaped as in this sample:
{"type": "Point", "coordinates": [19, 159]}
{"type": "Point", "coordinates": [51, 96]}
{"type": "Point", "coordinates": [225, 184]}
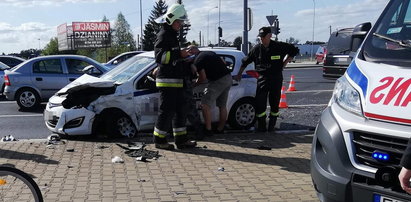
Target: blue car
{"type": "Point", "coordinates": [37, 79]}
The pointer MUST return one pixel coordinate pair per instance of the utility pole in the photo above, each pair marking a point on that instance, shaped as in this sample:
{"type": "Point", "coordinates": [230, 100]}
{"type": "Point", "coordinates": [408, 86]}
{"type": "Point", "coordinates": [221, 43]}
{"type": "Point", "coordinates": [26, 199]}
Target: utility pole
{"type": "Point", "coordinates": [141, 24]}
{"type": "Point", "coordinates": [330, 29]}
{"type": "Point", "coordinates": [244, 45]}
{"type": "Point", "coordinates": [219, 27]}
{"type": "Point", "coordinates": [200, 39]}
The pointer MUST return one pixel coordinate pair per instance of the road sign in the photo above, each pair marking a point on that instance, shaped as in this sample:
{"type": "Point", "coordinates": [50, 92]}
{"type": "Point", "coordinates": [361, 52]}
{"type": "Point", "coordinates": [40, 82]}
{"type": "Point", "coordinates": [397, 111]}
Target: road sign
{"type": "Point", "coordinates": [271, 19]}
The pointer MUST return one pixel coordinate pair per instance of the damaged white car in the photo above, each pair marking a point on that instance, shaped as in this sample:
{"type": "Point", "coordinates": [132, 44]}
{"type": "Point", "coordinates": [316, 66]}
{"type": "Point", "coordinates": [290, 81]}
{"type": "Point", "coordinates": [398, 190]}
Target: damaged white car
{"type": "Point", "coordinates": [124, 101]}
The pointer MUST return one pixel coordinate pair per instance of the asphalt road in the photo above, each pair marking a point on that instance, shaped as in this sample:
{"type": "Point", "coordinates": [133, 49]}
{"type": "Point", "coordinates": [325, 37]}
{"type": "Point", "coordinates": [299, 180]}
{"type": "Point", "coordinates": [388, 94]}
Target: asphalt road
{"type": "Point", "coordinates": [305, 106]}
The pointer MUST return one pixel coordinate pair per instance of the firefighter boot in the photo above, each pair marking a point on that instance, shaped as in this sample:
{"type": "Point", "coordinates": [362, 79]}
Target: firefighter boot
{"type": "Point", "coordinates": [271, 123]}
{"type": "Point", "coordinates": [261, 124]}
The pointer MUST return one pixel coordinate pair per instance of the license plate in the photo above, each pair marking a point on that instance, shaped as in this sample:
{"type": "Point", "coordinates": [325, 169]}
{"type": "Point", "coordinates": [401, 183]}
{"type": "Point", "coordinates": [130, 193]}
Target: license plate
{"type": "Point", "coordinates": [341, 59]}
{"type": "Point", "coordinates": [380, 198]}
{"type": "Point", "coordinates": [48, 115]}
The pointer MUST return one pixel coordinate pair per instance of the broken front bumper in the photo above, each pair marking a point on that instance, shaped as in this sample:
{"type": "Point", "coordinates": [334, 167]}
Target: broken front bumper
{"type": "Point", "coordinates": [74, 121]}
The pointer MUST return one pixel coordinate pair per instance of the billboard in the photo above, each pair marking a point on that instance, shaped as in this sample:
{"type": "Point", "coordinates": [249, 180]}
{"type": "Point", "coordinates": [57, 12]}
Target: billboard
{"type": "Point", "coordinates": [63, 39]}
{"type": "Point", "coordinates": [91, 34]}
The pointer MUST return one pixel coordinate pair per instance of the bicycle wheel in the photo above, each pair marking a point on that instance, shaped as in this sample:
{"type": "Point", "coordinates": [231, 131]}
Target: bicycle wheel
{"type": "Point", "coordinates": [16, 185]}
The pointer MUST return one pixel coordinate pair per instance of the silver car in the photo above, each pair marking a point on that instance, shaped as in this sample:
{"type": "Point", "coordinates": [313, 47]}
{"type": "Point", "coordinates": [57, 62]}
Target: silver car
{"type": "Point", "coordinates": [3, 67]}
{"type": "Point", "coordinates": [37, 79]}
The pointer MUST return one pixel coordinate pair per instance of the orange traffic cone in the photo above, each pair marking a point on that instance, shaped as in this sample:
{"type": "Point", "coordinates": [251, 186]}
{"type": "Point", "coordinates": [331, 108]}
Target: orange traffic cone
{"type": "Point", "coordinates": [283, 100]}
{"type": "Point", "coordinates": [291, 87]}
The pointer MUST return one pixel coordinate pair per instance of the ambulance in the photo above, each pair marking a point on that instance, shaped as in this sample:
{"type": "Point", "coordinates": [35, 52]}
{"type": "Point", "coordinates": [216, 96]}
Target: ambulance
{"type": "Point", "coordinates": [125, 101]}
{"type": "Point", "coordinates": [364, 130]}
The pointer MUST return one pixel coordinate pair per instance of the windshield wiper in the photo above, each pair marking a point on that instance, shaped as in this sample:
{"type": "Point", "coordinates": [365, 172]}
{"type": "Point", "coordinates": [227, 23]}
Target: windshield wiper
{"type": "Point", "coordinates": [403, 43]}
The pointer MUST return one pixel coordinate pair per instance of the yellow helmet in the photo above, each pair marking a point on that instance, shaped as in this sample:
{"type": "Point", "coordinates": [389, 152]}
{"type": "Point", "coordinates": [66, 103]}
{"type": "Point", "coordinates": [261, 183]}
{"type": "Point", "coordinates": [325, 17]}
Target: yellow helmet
{"type": "Point", "coordinates": [174, 12]}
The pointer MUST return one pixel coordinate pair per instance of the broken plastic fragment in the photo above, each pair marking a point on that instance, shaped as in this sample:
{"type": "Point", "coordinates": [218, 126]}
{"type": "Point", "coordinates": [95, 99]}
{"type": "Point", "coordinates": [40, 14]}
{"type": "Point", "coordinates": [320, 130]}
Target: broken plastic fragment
{"type": "Point", "coordinates": [117, 159]}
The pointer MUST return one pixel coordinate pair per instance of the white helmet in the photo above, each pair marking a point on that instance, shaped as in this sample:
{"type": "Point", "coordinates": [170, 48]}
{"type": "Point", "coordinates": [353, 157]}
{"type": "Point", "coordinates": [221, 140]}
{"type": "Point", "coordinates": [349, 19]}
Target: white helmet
{"type": "Point", "coordinates": [174, 12]}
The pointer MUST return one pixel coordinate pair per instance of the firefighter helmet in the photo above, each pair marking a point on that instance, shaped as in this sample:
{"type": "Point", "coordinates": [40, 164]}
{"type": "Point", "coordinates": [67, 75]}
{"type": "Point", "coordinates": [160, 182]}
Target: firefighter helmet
{"type": "Point", "coordinates": [174, 12]}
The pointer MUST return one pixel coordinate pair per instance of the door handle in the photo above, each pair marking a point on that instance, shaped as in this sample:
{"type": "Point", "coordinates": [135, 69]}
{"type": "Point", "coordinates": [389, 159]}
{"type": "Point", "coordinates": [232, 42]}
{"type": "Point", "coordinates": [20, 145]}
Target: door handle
{"type": "Point", "coordinates": [39, 79]}
{"type": "Point", "coordinates": [72, 79]}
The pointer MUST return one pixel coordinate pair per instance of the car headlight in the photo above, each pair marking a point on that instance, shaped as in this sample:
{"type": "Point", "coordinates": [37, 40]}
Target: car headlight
{"type": "Point", "coordinates": [346, 96]}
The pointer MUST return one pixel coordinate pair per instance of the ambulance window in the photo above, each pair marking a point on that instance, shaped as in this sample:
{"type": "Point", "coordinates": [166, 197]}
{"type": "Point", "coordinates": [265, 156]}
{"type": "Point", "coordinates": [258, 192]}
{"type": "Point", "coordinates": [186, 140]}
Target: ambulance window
{"type": "Point", "coordinates": [147, 82]}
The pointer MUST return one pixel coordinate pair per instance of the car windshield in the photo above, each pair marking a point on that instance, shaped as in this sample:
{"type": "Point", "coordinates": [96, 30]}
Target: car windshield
{"type": "Point", "coordinates": [391, 41]}
{"type": "Point", "coordinates": [128, 69]}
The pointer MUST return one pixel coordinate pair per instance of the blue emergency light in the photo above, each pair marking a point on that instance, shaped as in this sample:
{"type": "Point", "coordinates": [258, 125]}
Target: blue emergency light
{"type": "Point", "coordinates": [380, 156]}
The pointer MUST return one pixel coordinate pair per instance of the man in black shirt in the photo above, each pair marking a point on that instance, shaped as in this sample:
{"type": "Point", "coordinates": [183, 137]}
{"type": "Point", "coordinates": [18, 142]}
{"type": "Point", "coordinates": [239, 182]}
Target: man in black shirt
{"type": "Point", "coordinates": [405, 174]}
{"type": "Point", "coordinates": [213, 68]}
{"type": "Point", "coordinates": [269, 58]}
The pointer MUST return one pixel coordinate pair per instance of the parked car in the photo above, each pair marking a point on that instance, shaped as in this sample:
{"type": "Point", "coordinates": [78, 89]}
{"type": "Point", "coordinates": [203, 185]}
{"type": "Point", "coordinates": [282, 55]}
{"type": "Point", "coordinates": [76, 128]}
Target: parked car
{"type": "Point", "coordinates": [320, 54]}
{"type": "Point", "coordinates": [37, 79]}
{"type": "Point", "coordinates": [121, 58]}
{"type": "Point", "coordinates": [124, 101]}
{"type": "Point", "coordinates": [338, 53]}
{"type": "Point", "coordinates": [10, 60]}
{"type": "Point", "coordinates": [3, 67]}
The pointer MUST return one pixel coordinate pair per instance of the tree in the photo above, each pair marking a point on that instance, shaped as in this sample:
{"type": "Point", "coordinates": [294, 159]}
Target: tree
{"type": "Point", "coordinates": [292, 40]}
{"type": "Point", "coordinates": [52, 48]}
{"type": "Point", "coordinates": [122, 38]}
{"type": "Point", "coordinates": [237, 42]}
{"type": "Point", "coordinates": [186, 27]}
{"type": "Point", "coordinates": [152, 28]}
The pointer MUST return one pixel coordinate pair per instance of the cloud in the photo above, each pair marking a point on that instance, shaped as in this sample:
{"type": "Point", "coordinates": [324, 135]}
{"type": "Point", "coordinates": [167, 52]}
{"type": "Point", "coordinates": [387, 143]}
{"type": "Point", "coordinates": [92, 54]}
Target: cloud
{"type": "Point", "coordinates": [27, 3]}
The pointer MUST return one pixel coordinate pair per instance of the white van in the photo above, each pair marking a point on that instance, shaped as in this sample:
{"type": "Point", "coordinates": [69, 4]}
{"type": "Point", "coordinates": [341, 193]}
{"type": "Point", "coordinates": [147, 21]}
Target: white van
{"type": "Point", "coordinates": [123, 101]}
{"type": "Point", "coordinates": [362, 134]}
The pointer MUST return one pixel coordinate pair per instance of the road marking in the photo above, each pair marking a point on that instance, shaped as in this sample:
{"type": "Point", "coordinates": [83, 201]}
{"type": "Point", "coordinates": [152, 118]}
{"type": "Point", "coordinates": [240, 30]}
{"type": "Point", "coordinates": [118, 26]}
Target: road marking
{"type": "Point", "coordinates": [308, 91]}
{"type": "Point", "coordinates": [7, 102]}
{"type": "Point", "coordinates": [20, 115]}
{"type": "Point", "coordinates": [309, 105]}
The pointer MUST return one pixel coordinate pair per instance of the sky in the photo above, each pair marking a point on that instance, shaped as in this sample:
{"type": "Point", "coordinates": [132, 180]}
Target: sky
{"type": "Point", "coordinates": [26, 24]}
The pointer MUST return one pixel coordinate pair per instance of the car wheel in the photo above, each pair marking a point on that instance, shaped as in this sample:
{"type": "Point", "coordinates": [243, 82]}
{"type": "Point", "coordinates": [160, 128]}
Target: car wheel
{"type": "Point", "coordinates": [27, 99]}
{"type": "Point", "coordinates": [242, 114]}
{"type": "Point", "coordinates": [119, 124]}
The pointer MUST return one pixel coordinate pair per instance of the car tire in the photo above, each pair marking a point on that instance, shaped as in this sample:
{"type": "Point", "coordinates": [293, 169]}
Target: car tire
{"type": "Point", "coordinates": [27, 99]}
{"type": "Point", "coordinates": [119, 124]}
{"type": "Point", "coordinates": [242, 114]}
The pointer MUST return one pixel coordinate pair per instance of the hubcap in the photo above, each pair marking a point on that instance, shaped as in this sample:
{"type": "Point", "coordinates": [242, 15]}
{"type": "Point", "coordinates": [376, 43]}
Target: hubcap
{"type": "Point", "coordinates": [27, 99]}
{"type": "Point", "coordinates": [245, 114]}
{"type": "Point", "coordinates": [126, 127]}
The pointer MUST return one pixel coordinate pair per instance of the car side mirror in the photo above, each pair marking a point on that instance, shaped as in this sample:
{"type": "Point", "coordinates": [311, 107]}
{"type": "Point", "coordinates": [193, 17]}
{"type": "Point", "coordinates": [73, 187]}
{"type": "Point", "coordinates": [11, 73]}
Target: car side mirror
{"type": "Point", "coordinates": [358, 35]}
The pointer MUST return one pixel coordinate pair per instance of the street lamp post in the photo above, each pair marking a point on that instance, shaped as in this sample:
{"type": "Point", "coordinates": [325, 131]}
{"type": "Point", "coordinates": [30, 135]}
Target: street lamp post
{"type": "Point", "coordinates": [312, 42]}
{"type": "Point", "coordinates": [208, 23]}
{"type": "Point", "coordinates": [39, 43]}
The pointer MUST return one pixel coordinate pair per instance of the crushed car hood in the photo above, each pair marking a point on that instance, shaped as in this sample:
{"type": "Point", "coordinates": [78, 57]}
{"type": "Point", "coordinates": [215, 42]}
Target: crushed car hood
{"type": "Point", "coordinates": [86, 81]}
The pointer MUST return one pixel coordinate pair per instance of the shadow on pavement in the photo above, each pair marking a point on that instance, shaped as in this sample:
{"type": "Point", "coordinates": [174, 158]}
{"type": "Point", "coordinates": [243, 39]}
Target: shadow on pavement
{"type": "Point", "coordinates": [8, 154]}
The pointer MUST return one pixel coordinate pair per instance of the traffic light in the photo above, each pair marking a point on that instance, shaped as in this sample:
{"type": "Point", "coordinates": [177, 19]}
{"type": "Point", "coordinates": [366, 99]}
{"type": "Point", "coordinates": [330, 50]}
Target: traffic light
{"type": "Point", "coordinates": [277, 30]}
{"type": "Point", "coordinates": [220, 32]}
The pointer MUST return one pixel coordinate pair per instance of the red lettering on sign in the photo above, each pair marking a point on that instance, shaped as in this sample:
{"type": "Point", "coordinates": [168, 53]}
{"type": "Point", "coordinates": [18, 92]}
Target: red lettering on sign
{"type": "Point", "coordinates": [397, 90]}
{"type": "Point", "coordinates": [407, 100]}
{"type": "Point", "coordinates": [376, 99]}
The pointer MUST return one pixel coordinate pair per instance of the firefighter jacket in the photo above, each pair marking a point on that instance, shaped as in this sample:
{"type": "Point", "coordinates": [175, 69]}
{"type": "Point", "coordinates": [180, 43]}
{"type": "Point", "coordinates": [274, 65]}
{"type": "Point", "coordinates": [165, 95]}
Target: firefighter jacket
{"type": "Point", "coordinates": [269, 61]}
{"type": "Point", "coordinates": [167, 55]}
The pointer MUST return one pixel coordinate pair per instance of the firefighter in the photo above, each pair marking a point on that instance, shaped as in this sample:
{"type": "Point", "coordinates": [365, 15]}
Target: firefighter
{"type": "Point", "coordinates": [169, 81]}
{"type": "Point", "coordinates": [269, 57]}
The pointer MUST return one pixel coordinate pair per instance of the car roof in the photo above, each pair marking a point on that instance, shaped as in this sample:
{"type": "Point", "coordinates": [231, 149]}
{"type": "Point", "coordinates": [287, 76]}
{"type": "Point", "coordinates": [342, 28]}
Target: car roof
{"type": "Point", "coordinates": [223, 51]}
{"type": "Point", "coordinates": [12, 56]}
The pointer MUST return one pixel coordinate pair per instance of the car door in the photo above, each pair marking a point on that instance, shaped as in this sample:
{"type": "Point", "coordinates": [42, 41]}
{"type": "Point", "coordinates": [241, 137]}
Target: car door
{"type": "Point", "coordinates": [146, 99]}
{"type": "Point", "coordinates": [75, 68]}
{"type": "Point", "coordinates": [48, 76]}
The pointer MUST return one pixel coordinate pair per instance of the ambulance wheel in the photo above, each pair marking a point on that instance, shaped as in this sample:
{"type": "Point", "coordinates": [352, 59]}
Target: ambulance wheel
{"type": "Point", "coordinates": [242, 114]}
{"type": "Point", "coordinates": [118, 124]}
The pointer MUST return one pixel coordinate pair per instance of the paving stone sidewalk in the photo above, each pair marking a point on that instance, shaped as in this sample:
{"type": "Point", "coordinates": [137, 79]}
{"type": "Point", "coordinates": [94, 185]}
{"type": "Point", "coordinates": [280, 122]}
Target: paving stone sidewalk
{"type": "Point", "coordinates": [227, 167]}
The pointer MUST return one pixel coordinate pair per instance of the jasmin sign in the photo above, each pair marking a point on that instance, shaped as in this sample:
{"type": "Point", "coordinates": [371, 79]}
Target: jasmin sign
{"type": "Point", "coordinates": [91, 34]}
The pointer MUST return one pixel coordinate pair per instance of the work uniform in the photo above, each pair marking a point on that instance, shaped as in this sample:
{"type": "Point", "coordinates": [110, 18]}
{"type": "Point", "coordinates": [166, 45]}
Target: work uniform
{"type": "Point", "coordinates": [170, 82]}
{"type": "Point", "coordinates": [269, 62]}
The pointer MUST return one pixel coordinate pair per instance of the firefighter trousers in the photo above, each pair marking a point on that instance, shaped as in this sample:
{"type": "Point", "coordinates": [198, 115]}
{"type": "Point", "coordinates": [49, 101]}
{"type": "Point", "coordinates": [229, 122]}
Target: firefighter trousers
{"type": "Point", "coordinates": [172, 111]}
{"type": "Point", "coordinates": [271, 88]}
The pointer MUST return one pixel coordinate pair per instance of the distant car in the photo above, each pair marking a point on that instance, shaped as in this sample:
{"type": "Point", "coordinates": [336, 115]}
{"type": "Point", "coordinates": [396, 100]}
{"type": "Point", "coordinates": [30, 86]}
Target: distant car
{"type": "Point", "coordinates": [124, 100]}
{"type": "Point", "coordinates": [320, 54]}
{"type": "Point", "coordinates": [121, 58]}
{"type": "Point", "coordinates": [10, 60]}
{"type": "Point", "coordinates": [338, 53]}
{"type": "Point", "coordinates": [37, 79]}
{"type": "Point", "coordinates": [3, 67]}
